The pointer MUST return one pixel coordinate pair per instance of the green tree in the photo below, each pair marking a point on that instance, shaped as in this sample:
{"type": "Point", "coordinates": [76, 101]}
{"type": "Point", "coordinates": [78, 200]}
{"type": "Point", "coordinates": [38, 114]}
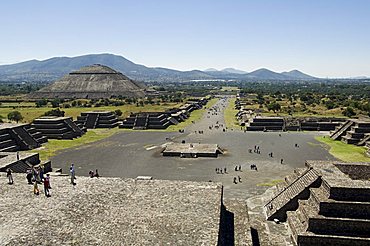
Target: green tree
{"type": "Point", "coordinates": [55, 112]}
{"type": "Point", "coordinates": [349, 112]}
{"type": "Point", "coordinates": [118, 112]}
{"type": "Point", "coordinates": [55, 103]}
{"type": "Point", "coordinates": [15, 116]}
{"type": "Point", "coordinates": [41, 103]}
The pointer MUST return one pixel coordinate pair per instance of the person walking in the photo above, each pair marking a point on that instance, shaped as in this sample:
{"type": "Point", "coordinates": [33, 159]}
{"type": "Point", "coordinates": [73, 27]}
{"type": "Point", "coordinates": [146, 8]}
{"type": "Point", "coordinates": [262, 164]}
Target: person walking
{"type": "Point", "coordinates": [47, 185]}
{"type": "Point", "coordinates": [36, 190]}
{"type": "Point", "coordinates": [10, 176]}
{"type": "Point", "coordinates": [72, 172]}
{"type": "Point", "coordinates": [29, 176]}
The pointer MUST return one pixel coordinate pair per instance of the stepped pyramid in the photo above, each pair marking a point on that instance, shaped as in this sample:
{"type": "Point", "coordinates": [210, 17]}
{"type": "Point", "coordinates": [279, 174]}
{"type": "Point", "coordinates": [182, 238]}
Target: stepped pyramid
{"type": "Point", "coordinates": [95, 81]}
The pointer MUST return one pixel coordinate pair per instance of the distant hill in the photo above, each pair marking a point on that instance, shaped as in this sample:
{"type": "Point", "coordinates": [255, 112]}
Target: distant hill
{"type": "Point", "coordinates": [264, 73]}
{"type": "Point", "coordinates": [297, 74]}
{"type": "Point", "coordinates": [233, 70]}
{"type": "Point", "coordinates": [54, 68]}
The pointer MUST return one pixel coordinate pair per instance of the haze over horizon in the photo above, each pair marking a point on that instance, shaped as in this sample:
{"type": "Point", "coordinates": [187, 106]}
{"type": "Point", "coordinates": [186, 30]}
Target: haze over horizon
{"type": "Point", "coordinates": [323, 39]}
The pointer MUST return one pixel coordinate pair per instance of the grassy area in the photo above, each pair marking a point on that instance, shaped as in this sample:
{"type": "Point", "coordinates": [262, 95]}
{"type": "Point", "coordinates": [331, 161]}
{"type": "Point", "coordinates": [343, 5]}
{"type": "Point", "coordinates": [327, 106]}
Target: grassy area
{"type": "Point", "coordinates": [343, 151]}
{"type": "Point", "coordinates": [53, 146]}
{"type": "Point", "coordinates": [271, 183]}
{"type": "Point", "coordinates": [229, 115]}
{"type": "Point", "coordinates": [194, 116]}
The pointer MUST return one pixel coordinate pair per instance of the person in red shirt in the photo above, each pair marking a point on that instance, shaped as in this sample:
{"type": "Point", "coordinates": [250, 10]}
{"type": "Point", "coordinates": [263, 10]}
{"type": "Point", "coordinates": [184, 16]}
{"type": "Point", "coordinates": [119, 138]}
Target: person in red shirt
{"type": "Point", "coordinates": [47, 185]}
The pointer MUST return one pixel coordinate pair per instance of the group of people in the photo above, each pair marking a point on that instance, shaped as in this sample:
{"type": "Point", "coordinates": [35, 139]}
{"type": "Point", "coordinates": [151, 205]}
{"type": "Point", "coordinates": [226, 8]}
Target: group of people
{"type": "Point", "coordinates": [92, 174]}
{"type": "Point", "coordinates": [237, 180]}
{"type": "Point", "coordinates": [221, 171]}
{"type": "Point", "coordinates": [47, 187]}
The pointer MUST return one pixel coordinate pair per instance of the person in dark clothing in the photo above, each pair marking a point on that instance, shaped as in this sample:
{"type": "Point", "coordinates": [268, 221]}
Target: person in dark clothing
{"type": "Point", "coordinates": [10, 176]}
{"type": "Point", "coordinates": [29, 176]}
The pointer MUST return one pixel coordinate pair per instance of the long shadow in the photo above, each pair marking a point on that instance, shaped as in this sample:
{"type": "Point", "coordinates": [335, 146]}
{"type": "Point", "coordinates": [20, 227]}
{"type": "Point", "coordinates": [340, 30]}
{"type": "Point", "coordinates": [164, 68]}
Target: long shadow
{"type": "Point", "coordinates": [255, 237]}
{"type": "Point", "coordinates": [226, 231]}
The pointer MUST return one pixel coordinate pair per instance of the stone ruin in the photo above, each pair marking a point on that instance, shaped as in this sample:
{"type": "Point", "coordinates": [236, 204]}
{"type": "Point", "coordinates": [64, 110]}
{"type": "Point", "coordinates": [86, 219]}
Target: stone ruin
{"type": "Point", "coordinates": [148, 120]}
{"type": "Point", "coordinates": [161, 120]}
{"type": "Point", "coordinates": [266, 124]}
{"type": "Point", "coordinates": [97, 119]}
{"type": "Point", "coordinates": [15, 137]}
{"type": "Point", "coordinates": [21, 162]}
{"type": "Point", "coordinates": [192, 150]}
{"type": "Point", "coordinates": [54, 127]}
{"type": "Point", "coordinates": [328, 203]}
{"type": "Point", "coordinates": [353, 132]}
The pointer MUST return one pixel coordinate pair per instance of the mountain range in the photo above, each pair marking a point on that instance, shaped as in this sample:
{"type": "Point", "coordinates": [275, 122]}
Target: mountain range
{"type": "Point", "coordinates": [54, 68]}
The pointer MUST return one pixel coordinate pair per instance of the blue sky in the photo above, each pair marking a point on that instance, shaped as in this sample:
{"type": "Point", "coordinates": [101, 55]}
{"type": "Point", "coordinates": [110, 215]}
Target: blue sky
{"type": "Point", "coordinates": [328, 38]}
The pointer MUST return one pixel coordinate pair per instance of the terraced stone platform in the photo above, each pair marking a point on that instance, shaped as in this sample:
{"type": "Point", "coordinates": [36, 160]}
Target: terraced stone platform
{"type": "Point", "coordinates": [112, 211]}
{"type": "Point", "coordinates": [57, 127]}
{"type": "Point", "coordinates": [15, 137]}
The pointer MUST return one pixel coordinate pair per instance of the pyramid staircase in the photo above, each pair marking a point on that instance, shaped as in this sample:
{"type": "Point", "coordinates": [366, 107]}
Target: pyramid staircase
{"type": "Point", "coordinates": [341, 130]}
{"type": "Point", "coordinates": [36, 134]}
{"type": "Point", "coordinates": [287, 198]}
{"type": "Point", "coordinates": [321, 220]}
{"type": "Point", "coordinates": [141, 122]}
{"type": "Point", "coordinates": [91, 121]}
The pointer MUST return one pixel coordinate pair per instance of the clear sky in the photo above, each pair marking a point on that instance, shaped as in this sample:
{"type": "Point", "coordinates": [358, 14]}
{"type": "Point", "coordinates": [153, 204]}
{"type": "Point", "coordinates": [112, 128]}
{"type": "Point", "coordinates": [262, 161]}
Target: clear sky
{"type": "Point", "coordinates": [324, 38]}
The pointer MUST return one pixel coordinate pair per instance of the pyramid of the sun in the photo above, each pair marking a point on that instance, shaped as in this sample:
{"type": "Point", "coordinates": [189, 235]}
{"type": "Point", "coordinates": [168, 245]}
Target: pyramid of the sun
{"type": "Point", "coordinates": [95, 81]}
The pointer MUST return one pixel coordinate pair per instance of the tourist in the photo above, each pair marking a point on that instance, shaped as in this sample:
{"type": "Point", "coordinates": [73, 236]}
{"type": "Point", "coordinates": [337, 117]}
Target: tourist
{"type": "Point", "coordinates": [41, 174]}
{"type": "Point", "coordinates": [29, 176]}
{"type": "Point", "coordinates": [35, 174]}
{"type": "Point", "coordinates": [17, 155]}
{"type": "Point", "coordinates": [281, 161]}
{"type": "Point", "coordinates": [239, 179]}
{"type": "Point", "coordinates": [221, 170]}
{"type": "Point", "coordinates": [10, 176]}
{"type": "Point", "coordinates": [91, 174]}
{"type": "Point", "coordinates": [236, 168]}
{"type": "Point", "coordinates": [36, 190]}
{"type": "Point", "coordinates": [235, 182]}
{"type": "Point", "coordinates": [225, 170]}
{"type": "Point", "coordinates": [47, 185]}
{"type": "Point", "coordinates": [96, 173]}
{"type": "Point", "coordinates": [240, 168]}
{"type": "Point", "coordinates": [72, 171]}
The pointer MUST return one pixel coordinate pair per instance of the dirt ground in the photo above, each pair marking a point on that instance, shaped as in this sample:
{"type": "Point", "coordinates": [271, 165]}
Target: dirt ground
{"type": "Point", "coordinates": [134, 153]}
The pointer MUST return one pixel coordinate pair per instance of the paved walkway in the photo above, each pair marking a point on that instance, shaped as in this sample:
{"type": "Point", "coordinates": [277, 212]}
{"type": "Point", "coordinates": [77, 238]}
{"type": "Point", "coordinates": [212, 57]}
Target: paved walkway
{"type": "Point", "coordinates": [133, 153]}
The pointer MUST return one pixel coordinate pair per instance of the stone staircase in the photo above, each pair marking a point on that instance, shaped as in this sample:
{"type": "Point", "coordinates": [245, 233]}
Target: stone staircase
{"type": "Point", "coordinates": [91, 121]}
{"type": "Point", "coordinates": [358, 134]}
{"type": "Point", "coordinates": [141, 122]}
{"type": "Point", "coordinates": [287, 198]}
{"type": "Point", "coordinates": [341, 130]}
{"type": "Point", "coordinates": [316, 221]}
{"type": "Point", "coordinates": [73, 126]}
{"type": "Point", "coordinates": [364, 140]}
{"type": "Point", "coordinates": [23, 136]}
{"type": "Point", "coordinates": [36, 134]}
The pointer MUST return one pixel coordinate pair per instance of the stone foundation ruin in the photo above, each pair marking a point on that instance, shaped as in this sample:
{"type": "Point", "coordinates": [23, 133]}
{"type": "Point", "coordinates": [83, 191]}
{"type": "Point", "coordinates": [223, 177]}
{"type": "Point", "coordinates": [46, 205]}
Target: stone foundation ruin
{"type": "Point", "coordinates": [15, 137]}
{"type": "Point", "coordinates": [97, 119]}
{"type": "Point", "coordinates": [192, 150]}
{"type": "Point", "coordinates": [328, 203]}
{"type": "Point", "coordinates": [57, 127]}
